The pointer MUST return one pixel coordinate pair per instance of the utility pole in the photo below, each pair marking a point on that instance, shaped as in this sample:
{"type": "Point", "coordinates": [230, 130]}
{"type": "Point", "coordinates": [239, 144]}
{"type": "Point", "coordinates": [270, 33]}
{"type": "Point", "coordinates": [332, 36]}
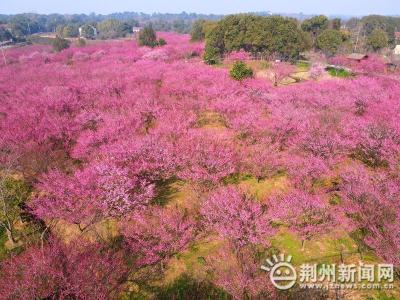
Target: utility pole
{"type": "Point", "coordinates": [357, 38]}
{"type": "Point", "coordinates": [2, 52]}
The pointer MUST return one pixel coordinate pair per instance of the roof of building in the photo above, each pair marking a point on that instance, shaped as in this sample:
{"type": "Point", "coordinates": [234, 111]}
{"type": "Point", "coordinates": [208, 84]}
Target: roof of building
{"type": "Point", "coordinates": [357, 56]}
{"type": "Point", "coordinates": [397, 34]}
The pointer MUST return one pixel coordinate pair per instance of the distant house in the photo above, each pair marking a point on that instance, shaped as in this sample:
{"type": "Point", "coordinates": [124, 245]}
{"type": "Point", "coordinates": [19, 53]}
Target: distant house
{"type": "Point", "coordinates": [357, 57]}
{"type": "Point", "coordinates": [397, 35]}
{"type": "Point", "coordinates": [396, 50]}
{"type": "Point", "coordinates": [83, 34]}
{"type": "Point", "coordinates": [5, 43]}
{"type": "Point", "coordinates": [136, 30]}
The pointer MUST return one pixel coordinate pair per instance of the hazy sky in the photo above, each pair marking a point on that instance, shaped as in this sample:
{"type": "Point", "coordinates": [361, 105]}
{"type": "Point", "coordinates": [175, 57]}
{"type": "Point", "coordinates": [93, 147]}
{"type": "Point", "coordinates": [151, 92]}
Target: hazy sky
{"type": "Point", "coordinates": [347, 7]}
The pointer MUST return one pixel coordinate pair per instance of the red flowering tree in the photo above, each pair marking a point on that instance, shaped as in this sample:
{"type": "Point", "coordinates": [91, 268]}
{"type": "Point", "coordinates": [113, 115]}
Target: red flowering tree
{"type": "Point", "coordinates": [280, 71]}
{"type": "Point", "coordinates": [371, 202]}
{"type": "Point", "coordinates": [237, 217]}
{"type": "Point", "coordinates": [60, 271]}
{"type": "Point", "coordinates": [305, 214]}
{"type": "Point", "coordinates": [157, 234]}
{"type": "Point", "coordinates": [240, 275]}
{"type": "Point", "coordinates": [206, 159]}
{"type": "Point", "coordinates": [95, 192]}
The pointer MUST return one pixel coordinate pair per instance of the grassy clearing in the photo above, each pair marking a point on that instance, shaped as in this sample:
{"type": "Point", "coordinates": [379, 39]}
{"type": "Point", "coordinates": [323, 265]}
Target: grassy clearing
{"type": "Point", "coordinates": [105, 230]}
{"type": "Point", "coordinates": [211, 119]}
{"type": "Point", "coordinates": [188, 288]}
{"type": "Point", "coordinates": [303, 66]}
{"type": "Point", "coordinates": [341, 73]}
{"type": "Point", "coordinates": [192, 261]}
{"type": "Point", "coordinates": [323, 249]}
{"type": "Point", "coordinates": [263, 188]}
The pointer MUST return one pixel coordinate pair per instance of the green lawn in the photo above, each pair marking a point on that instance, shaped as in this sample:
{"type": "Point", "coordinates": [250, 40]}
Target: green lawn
{"type": "Point", "coordinates": [342, 73]}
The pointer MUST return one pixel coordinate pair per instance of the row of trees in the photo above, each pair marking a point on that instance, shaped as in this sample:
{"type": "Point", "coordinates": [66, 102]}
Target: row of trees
{"type": "Point", "coordinates": [22, 25]}
{"type": "Point", "coordinates": [107, 29]}
{"type": "Point", "coordinates": [286, 38]}
{"type": "Point", "coordinates": [273, 36]}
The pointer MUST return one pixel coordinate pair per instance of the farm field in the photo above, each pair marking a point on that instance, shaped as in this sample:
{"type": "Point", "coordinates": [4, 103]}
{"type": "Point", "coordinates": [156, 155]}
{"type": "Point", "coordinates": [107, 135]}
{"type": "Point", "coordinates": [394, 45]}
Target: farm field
{"type": "Point", "coordinates": [143, 173]}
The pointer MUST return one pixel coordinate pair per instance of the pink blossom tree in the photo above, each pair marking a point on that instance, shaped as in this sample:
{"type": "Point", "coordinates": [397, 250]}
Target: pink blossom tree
{"type": "Point", "coordinates": [97, 191]}
{"type": "Point", "coordinates": [316, 71]}
{"type": "Point", "coordinates": [305, 214]}
{"type": "Point", "coordinates": [237, 217]}
{"type": "Point", "coordinates": [371, 201]}
{"type": "Point", "coordinates": [206, 159]}
{"type": "Point", "coordinates": [61, 271]}
{"type": "Point", "coordinates": [281, 70]}
{"type": "Point", "coordinates": [157, 234]}
{"type": "Point", "coordinates": [240, 275]}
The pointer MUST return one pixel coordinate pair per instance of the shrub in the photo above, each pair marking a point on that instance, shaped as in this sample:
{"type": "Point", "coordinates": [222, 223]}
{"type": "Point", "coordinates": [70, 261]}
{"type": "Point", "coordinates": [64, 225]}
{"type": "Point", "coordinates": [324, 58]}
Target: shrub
{"type": "Point", "coordinates": [338, 72]}
{"type": "Point", "coordinates": [197, 33]}
{"type": "Point", "coordinates": [378, 39]}
{"type": "Point", "coordinates": [162, 42]}
{"type": "Point", "coordinates": [212, 55]}
{"type": "Point", "coordinates": [60, 44]}
{"type": "Point", "coordinates": [241, 71]}
{"type": "Point", "coordinates": [147, 37]}
{"type": "Point", "coordinates": [329, 41]}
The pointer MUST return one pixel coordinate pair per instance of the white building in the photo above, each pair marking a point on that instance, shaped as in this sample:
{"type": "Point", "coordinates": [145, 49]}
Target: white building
{"type": "Point", "coordinates": [396, 50]}
{"type": "Point", "coordinates": [81, 33]}
{"type": "Point", "coordinates": [136, 30]}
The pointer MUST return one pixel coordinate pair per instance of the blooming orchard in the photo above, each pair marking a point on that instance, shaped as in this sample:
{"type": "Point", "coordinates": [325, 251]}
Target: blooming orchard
{"type": "Point", "coordinates": [100, 132]}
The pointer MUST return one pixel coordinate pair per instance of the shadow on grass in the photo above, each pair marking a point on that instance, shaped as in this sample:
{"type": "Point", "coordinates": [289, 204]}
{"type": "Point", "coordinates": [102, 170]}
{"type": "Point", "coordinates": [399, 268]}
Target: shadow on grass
{"type": "Point", "coordinates": [187, 288]}
{"type": "Point", "coordinates": [165, 191]}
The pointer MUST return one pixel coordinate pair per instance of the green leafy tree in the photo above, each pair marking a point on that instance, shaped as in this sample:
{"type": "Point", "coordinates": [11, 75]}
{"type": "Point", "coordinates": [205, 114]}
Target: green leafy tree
{"type": "Point", "coordinates": [147, 37]}
{"type": "Point", "coordinates": [271, 36]}
{"type": "Point", "coordinates": [388, 24]}
{"type": "Point", "coordinates": [13, 194]}
{"type": "Point", "coordinates": [315, 25]}
{"type": "Point", "coordinates": [240, 71]}
{"type": "Point", "coordinates": [336, 24]}
{"type": "Point", "coordinates": [70, 31]}
{"type": "Point", "coordinates": [329, 41]}
{"type": "Point", "coordinates": [378, 39]}
{"type": "Point", "coordinates": [179, 26]}
{"type": "Point", "coordinates": [212, 55]}
{"type": "Point", "coordinates": [162, 42]}
{"type": "Point", "coordinates": [306, 40]}
{"type": "Point", "coordinates": [5, 34]}
{"type": "Point", "coordinates": [197, 33]}
{"type": "Point", "coordinates": [88, 31]}
{"type": "Point", "coordinates": [21, 26]}
{"type": "Point", "coordinates": [60, 44]}
{"type": "Point", "coordinates": [110, 29]}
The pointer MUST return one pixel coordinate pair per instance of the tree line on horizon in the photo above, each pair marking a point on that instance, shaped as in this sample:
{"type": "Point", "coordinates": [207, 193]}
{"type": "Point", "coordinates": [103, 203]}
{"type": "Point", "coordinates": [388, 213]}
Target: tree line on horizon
{"type": "Point", "coordinates": [275, 37]}
{"type": "Point", "coordinates": [20, 26]}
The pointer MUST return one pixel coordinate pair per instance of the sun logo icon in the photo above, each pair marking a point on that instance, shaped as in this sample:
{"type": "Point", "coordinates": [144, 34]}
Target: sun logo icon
{"type": "Point", "coordinates": [281, 272]}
